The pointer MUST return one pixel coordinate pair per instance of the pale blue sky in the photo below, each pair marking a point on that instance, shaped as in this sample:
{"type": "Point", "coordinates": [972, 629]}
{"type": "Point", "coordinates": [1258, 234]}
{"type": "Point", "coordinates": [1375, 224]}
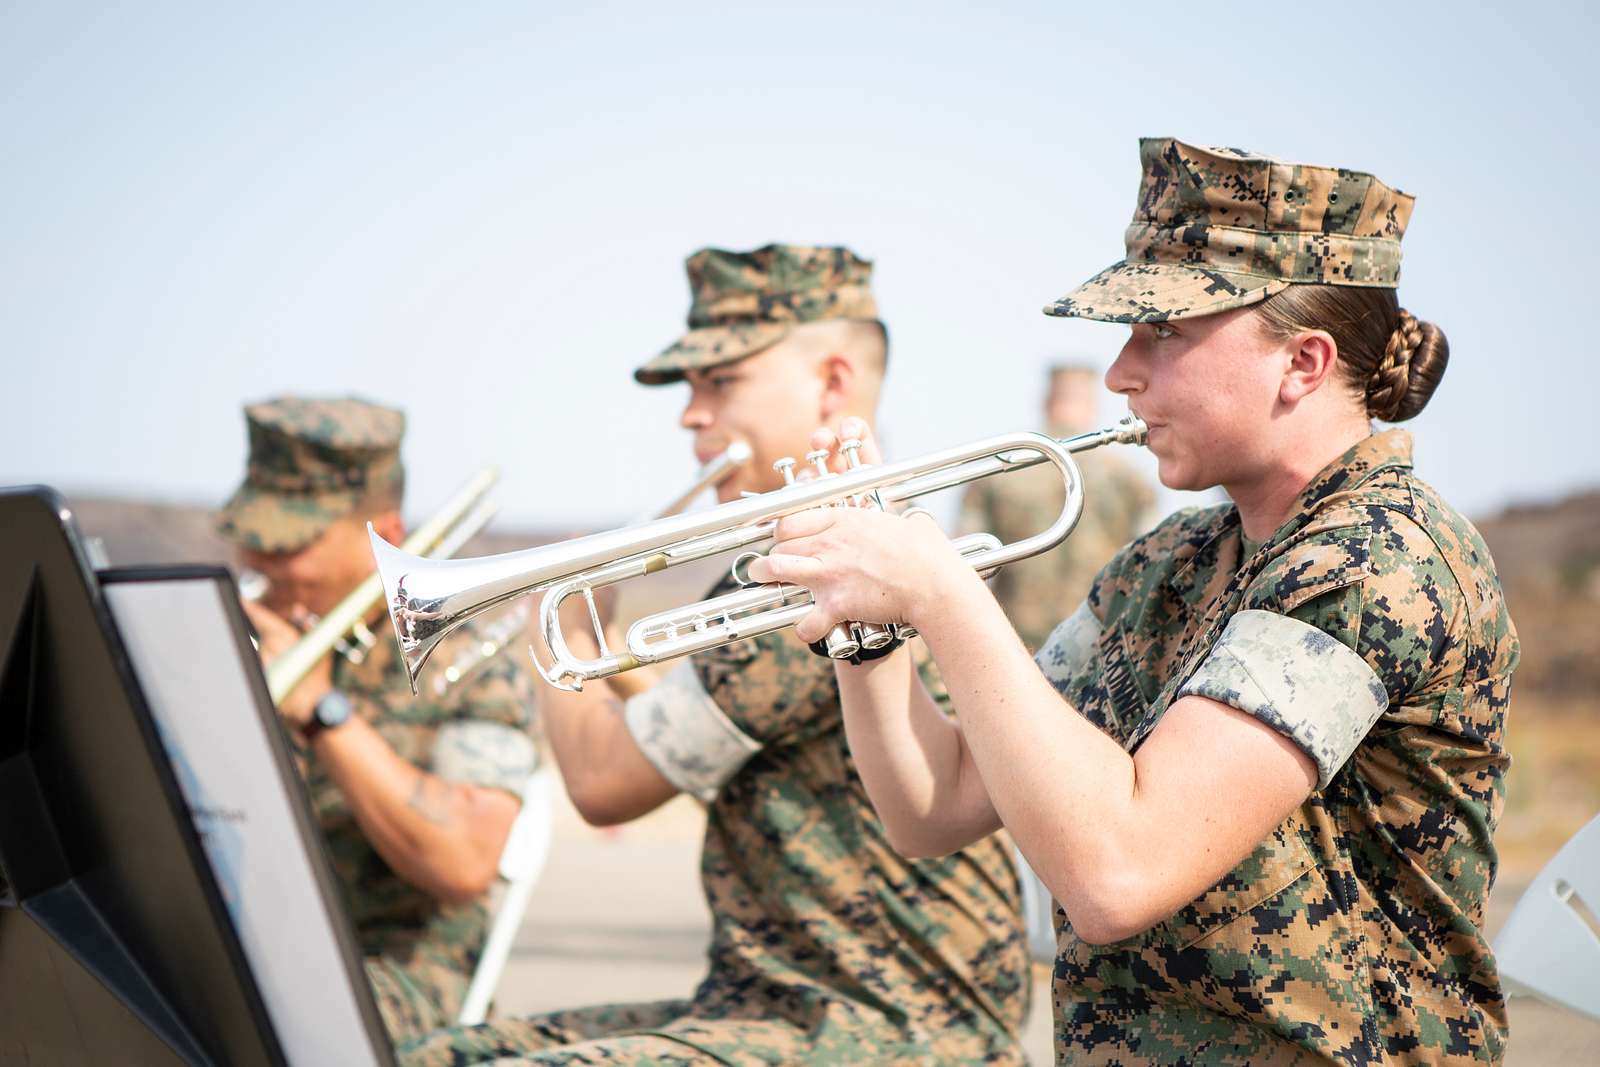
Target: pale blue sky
{"type": "Point", "coordinates": [479, 212]}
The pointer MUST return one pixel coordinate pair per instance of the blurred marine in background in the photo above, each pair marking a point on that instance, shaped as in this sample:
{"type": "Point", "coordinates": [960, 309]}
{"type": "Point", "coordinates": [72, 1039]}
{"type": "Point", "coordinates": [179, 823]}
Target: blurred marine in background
{"type": "Point", "coordinates": [1117, 506]}
{"type": "Point", "coordinates": [414, 796]}
{"type": "Point", "coordinates": [827, 947]}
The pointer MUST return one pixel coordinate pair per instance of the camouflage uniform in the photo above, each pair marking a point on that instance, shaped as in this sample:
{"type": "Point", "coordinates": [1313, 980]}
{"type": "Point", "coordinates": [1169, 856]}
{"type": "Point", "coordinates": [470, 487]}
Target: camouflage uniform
{"type": "Point", "coordinates": [420, 953]}
{"type": "Point", "coordinates": [1012, 507]}
{"type": "Point", "coordinates": [1353, 932]}
{"type": "Point", "coordinates": [312, 461]}
{"type": "Point", "coordinates": [1369, 629]}
{"type": "Point", "coordinates": [827, 947]}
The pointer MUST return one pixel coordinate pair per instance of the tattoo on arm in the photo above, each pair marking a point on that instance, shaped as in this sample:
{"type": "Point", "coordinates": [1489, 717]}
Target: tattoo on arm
{"type": "Point", "coordinates": [430, 798]}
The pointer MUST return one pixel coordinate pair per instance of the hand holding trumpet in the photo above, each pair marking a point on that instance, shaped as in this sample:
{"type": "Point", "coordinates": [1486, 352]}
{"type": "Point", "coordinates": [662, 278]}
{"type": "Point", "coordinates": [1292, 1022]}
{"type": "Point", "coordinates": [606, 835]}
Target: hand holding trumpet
{"type": "Point", "coordinates": [859, 563]}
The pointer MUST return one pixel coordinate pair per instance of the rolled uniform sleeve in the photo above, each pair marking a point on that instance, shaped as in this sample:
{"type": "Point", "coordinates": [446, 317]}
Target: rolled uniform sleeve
{"type": "Point", "coordinates": [1296, 679]}
{"type": "Point", "coordinates": [1330, 636]}
{"type": "Point", "coordinates": [489, 741]}
{"type": "Point", "coordinates": [1068, 654]}
{"type": "Point", "coordinates": [683, 732]}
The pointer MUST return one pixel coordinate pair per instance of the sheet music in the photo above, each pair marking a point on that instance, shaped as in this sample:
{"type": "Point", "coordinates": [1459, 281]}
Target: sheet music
{"type": "Point", "coordinates": [182, 644]}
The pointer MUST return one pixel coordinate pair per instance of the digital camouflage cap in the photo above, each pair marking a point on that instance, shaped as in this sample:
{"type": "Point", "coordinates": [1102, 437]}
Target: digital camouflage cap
{"type": "Point", "coordinates": [747, 301]}
{"type": "Point", "coordinates": [1220, 228]}
{"type": "Point", "coordinates": [311, 461]}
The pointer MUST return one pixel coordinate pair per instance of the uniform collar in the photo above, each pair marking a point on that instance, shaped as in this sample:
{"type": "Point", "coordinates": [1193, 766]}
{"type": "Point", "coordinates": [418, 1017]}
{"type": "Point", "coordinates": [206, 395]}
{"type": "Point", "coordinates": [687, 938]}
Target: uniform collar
{"type": "Point", "coordinates": [1213, 556]}
{"type": "Point", "coordinates": [1364, 460]}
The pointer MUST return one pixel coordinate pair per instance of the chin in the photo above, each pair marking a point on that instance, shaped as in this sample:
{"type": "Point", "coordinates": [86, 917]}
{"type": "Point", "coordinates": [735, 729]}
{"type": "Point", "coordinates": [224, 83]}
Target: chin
{"type": "Point", "coordinates": [1177, 476]}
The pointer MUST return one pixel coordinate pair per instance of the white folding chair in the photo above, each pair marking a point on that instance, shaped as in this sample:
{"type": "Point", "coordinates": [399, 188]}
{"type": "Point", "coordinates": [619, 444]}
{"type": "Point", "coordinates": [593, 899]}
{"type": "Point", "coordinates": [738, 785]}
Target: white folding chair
{"type": "Point", "coordinates": [1038, 912]}
{"type": "Point", "coordinates": [1550, 946]}
{"type": "Point", "coordinates": [527, 847]}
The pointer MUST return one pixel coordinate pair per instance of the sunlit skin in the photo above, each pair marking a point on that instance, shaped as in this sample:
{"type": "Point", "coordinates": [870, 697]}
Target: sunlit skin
{"type": "Point", "coordinates": [443, 837]}
{"type": "Point", "coordinates": [772, 401]}
{"type": "Point", "coordinates": [1122, 841]}
{"type": "Point", "coordinates": [320, 574]}
{"type": "Point", "coordinates": [1228, 406]}
{"type": "Point", "coordinates": [312, 580]}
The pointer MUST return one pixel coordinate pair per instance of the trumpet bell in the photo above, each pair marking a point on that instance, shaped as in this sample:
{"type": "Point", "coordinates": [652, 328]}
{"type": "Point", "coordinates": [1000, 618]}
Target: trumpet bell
{"type": "Point", "coordinates": [428, 598]}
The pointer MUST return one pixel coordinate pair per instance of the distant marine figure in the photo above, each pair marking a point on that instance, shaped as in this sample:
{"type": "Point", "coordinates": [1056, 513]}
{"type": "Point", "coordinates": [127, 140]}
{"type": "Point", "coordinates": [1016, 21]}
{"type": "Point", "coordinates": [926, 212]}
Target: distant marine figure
{"type": "Point", "coordinates": [1039, 591]}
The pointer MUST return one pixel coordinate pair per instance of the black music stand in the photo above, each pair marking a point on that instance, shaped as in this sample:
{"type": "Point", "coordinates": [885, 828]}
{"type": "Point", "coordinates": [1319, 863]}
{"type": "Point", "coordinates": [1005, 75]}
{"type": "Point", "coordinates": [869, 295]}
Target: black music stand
{"type": "Point", "coordinates": [116, 942]}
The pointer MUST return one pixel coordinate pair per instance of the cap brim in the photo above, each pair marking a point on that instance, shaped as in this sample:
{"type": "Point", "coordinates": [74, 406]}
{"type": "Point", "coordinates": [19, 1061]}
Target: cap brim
{"type": "Point", "coordinates": [711, 346]}
{"type": "Point", "coordinates": [280, 522]}
{"type": "Point", "coordinates": [1158, 292]}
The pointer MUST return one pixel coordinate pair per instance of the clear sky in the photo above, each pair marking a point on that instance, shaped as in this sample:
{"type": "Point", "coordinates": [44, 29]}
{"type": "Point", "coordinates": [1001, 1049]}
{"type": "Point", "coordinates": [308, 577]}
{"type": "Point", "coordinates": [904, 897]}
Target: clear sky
{"type": "Point", "coordinates": [479, 212]}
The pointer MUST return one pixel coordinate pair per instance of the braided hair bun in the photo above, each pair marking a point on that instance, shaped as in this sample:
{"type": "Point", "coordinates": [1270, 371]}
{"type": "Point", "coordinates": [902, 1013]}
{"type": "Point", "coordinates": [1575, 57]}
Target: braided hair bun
{"type": "Point", "coordinates": [1413, 362]}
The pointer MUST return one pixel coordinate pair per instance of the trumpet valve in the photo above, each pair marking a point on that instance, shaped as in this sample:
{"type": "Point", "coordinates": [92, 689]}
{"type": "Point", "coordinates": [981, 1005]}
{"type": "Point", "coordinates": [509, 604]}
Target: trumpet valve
{"type": "Point", "coordinates": [849, 449]}
{"type": "Point", "coordinates": [874, 637]}
{"type": "Point", "coordinates": [819, 460]}
{"type": "Point", "coordinates": [785, 467]}
{"type": "Point", "coordinates": [842, 642]}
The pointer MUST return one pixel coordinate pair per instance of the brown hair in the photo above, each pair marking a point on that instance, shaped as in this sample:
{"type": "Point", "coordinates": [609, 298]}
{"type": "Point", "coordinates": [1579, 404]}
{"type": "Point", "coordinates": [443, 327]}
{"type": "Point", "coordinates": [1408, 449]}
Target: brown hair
{"type": "Point", "coordinates": [1389, 356]}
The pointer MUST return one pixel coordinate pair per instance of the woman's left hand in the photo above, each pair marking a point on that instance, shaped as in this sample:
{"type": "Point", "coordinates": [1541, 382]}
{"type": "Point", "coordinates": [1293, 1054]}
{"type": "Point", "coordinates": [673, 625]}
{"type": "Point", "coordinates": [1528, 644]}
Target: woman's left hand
{"type": "Point", "coordinates": [860, 564]}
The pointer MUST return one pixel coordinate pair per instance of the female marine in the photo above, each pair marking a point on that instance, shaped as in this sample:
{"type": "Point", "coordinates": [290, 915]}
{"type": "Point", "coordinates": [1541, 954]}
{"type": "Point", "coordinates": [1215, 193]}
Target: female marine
{"type": "Point", "coordinates": [1260, 766]}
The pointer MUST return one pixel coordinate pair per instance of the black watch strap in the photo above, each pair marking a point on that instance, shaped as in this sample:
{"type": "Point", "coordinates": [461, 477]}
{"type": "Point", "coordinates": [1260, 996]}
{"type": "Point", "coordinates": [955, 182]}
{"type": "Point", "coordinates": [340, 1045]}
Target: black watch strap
{"type": "Point", "coordinates": [332, 711]}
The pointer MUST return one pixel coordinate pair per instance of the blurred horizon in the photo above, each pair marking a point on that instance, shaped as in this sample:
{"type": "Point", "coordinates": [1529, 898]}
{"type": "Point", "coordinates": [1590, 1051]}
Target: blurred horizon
{"type": "Point", "coordinates": [480, 215]}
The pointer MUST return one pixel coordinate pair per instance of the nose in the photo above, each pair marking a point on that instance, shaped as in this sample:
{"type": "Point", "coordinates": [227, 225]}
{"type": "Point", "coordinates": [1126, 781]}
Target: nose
{"type": "Point", "coordinates": [1126, 373]}
{"type": "Point", "coordinates": [696, 415]}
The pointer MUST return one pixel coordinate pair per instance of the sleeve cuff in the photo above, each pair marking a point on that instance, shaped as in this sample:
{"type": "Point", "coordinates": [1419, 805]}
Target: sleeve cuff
{"type": "Point", "coordinates": [484, 753]}
{"type": "Point", "coordinates": [1070, 649]}
{"type": "Point", "coordinates": [686, 736]}
{"type": "Point", "coordinates": [1298, 680]}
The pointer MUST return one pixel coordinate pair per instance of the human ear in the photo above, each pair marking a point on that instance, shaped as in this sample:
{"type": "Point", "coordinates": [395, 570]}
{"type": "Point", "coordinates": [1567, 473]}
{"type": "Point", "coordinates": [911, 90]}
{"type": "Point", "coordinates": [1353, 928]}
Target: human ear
{"type": "Point", "coordinates": [389, 526]}
{"type": "Point", "coordinates": [838, 377]}
{"type": "Point", "coordinates": [1311, 358]}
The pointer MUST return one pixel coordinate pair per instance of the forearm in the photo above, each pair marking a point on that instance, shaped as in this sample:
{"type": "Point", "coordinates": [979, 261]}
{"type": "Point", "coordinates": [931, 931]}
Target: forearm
{"type": "Point", "coordinates": [1065, 790]}
{"type": "Point", "coordinates": [443, 837]}
{"type": "Point", "coordinates": [584, 729]}
{"type": "Point", "coordinates": [912, 759]}
{"type": "Point", "coordinates": [607, 775]}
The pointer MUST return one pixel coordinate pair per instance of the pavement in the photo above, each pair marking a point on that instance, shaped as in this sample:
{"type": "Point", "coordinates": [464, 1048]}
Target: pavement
{"type": "Point", "coordinates": [617, 916]}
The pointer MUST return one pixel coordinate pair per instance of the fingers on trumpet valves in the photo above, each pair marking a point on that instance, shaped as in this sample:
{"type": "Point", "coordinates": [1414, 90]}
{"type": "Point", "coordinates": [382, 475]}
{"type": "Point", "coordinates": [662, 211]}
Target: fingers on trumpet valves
{"type": "Point", "coordinates": [741, 568]}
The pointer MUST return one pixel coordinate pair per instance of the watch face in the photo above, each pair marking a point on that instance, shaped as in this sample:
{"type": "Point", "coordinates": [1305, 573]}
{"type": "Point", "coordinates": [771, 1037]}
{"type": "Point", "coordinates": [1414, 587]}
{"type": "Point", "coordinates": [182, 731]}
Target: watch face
{"type": "Point", "coordinates": [333, 709]}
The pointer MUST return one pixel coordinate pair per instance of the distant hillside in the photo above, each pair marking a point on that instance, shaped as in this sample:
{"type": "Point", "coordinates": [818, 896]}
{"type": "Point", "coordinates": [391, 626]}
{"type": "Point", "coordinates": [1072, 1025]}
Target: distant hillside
{"type": "Point", "coordinates": [1548, 556]}
{"type": "Point", "coordinates": [139, 532]}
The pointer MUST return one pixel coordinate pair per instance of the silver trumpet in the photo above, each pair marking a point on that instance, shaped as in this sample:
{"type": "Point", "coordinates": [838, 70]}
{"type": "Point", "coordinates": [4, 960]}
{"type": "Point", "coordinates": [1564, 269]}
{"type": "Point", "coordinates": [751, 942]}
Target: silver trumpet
{"type": "Point", "coordinates": [429, 598]}
{"type": "Point", "coordinates": [500, 633]}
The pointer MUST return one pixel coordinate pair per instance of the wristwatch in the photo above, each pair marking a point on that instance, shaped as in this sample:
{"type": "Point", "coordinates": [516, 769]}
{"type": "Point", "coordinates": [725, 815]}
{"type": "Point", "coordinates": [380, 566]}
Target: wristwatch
{"type": "Point", "coordinates": [331, 712]}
